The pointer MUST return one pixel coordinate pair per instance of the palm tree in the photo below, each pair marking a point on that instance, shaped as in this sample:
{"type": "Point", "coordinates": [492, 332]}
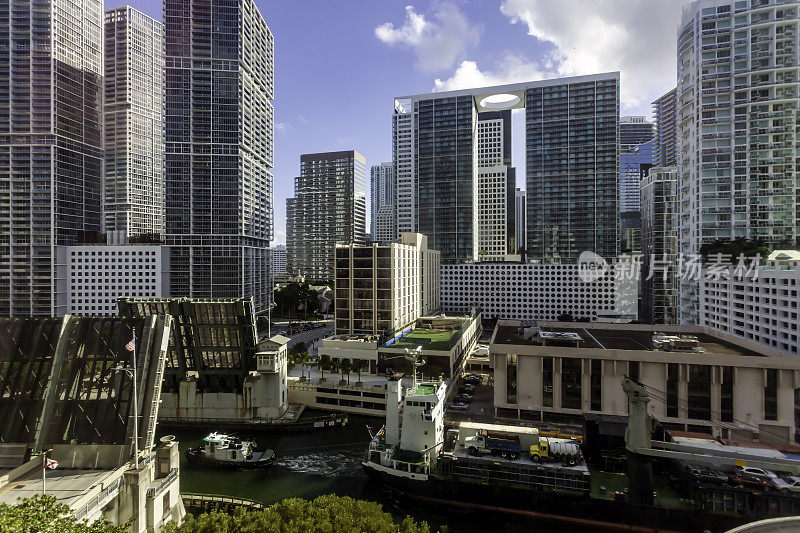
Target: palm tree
{"type": "Point", "coordinates": [324, 364]}
{"type": "Point", "coordinates": [303, 358]}
{"type": "Point", "coordinates": [345, 366]}
{"type": "Point", "coordinates": [358, 366]}
{"type": "Point", "coordinates": [334, 367]}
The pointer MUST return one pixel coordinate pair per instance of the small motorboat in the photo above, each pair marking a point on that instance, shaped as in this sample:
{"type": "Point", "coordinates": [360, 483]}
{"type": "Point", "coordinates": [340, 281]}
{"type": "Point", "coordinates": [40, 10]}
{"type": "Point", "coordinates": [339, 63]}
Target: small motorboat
{"type": "Point", "coordinates": [219, 449]}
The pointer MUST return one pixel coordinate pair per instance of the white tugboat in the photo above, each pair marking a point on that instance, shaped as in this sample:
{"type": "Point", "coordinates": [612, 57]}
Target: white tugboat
{"type": "Point", "coordinates": [408, 446]}
{"type": "Point", "coordinates": [229, 451]}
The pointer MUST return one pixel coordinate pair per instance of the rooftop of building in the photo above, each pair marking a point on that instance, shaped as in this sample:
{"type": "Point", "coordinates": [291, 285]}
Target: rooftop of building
{"type": "Point", "coordinates": [428, 338]}
{"type": "Point", "coordinates": [619, 337]}
{"type": "Point", "coordinates": [423, 389]}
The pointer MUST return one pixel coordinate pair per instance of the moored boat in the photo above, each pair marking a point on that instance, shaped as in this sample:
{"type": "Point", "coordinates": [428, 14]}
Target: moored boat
{"type": "Point", "coordinates": [229, 451]}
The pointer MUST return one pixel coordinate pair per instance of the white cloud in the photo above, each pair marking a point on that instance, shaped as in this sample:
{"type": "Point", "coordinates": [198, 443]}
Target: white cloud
{"type": "Point", "coordinates": [438, 40]}
{"type": "Point", "coordinates": [282, 127]}
{"type": "Point", "coordinates": [279, 236]}
{"type": "Point", "coordinates": [637, 37]}
{"type": "Point", "coordinates": [511, 69]}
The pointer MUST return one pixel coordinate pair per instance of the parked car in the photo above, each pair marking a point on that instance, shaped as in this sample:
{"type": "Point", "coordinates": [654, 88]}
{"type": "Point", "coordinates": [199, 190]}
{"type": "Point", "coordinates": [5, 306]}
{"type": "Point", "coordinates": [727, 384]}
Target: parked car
{"type": "Point", "coordinates": [472, 375]}
{"type": "Point", "coordinates": [787, 484]}
{"type": "Point", "coordinates": [750, 481]}
{"type": "Point", "coordinates": [458, 406]}
{"type": "Point", "coordinates": [467, 387]}
{"type": "Point", "coordinates": [472, 380]}
{"type": "Point", "coordinates": [703, 474]}
{"type": "Point", "coordinates": [463, 398]}
{"type": "Point", "coordinates": [756, 471]}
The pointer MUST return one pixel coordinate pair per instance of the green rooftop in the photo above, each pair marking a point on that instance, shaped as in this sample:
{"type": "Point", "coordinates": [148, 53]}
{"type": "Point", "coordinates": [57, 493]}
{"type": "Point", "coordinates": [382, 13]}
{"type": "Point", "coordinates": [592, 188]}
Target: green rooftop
{"type": "Point", "coordinates": [423, 390]}
{"type": "Point", "coordinates": [428, 338]}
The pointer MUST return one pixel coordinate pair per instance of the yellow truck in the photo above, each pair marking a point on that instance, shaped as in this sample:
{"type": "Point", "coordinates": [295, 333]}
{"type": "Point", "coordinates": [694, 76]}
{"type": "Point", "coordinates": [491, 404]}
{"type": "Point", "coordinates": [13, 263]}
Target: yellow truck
{"type": "Point", "coordinates": [552, 449]}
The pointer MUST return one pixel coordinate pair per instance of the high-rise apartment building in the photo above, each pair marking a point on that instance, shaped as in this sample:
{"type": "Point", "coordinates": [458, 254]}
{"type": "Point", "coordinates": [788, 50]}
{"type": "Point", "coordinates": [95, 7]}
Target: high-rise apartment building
{"type": "Point", "coordinates": [665, 111]}
{"type": "Point", "coordinates": [520, 223]}
{"type": "Point", "coordinates": [633, 131]}
{"type": "Point", "coordinates": [51, 145]}
{"type": "Point", "coordinates": [496, 186]}
{"type": "Point", "coordinates": [278, 259]}
{"type": "Point", "coordinates": [381, 289]}
{"type": "Point", "coordinates": [219, 148]}
{"type": "Point", "coordinates": [133, 114]}
{"type": "Point", "coordinates": [572, 128]}
{"type": "Point", "coordinates": [659, 199]}
{"type": "Point", "coordinates": [633, 164]}
{"type": "Point", "coordinates": [737, 128]}
{"type": "Point", "coordinates": [328, 208]}
{"type": "Point", "coordinates": [382, 191]}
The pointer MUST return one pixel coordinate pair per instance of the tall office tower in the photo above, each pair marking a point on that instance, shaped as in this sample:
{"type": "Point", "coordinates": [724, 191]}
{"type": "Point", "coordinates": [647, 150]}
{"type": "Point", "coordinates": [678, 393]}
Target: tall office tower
{"type": "Point", "coordinates": [572, 165]}
{"type": "Point", "coordinates": [633, 166]}
{"type": "Point", "coordinates": [278, 259]}
{"type": "Point", "coordinates": [633, 131]}
{"type": "Point", "coordinates": [219, 148]}
{"type": "Point", "coordinates": [737, 126]}
{"type": "Point", "coordinates": [133, 113]}
{"type": "Point", "coordinates": [51, 145]}
{"type": "Point", "coordinates": [573, 168]}
{"type": "Point", "coordinates": [665, 111]}
{"type": "Point", "coordinates": [659, 199]}
{"type": "Point", "coordinates": [403, 156]}
{"type": "Point", "coordinates": [328, 209]}
{"type": "Point", "coordinates": [496, 186]}
{"type": "Point", "coordinates": [520, 223]}
{"type": "Point", "coordinates": [382, 191]}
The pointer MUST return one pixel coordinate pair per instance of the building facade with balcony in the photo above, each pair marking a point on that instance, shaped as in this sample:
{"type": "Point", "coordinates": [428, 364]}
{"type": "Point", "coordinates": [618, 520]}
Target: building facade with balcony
{"type": "Point", "coordinates": [382, 289]}
{"type": "Point", "coordinates": [737, 102]}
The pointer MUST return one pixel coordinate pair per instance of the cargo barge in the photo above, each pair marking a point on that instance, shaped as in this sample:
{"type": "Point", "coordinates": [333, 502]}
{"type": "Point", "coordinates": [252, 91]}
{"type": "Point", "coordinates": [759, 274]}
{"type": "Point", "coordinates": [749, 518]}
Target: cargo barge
{"type": "Point", "coordinates": [415, 456]}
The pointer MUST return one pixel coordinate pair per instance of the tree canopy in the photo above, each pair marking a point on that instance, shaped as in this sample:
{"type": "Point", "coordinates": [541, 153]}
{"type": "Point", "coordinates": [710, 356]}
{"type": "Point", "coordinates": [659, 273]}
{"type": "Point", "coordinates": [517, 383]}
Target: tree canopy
{"type": "Point", "coordinates": [293, 298]}
{"type": "Point", "coordinates": [324, 514]}
{"type": "Point", "coordinates": [735, 248]}
{"type": "Point", "coordinates": [42, 514]}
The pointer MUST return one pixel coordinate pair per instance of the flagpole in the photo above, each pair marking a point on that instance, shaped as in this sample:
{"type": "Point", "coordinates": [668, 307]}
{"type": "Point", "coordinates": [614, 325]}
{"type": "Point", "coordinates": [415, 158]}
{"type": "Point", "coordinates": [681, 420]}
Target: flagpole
{"type": "Point", "coordinates": [135, 414]}
{"type": "Point", "coordinates": [44, 470]}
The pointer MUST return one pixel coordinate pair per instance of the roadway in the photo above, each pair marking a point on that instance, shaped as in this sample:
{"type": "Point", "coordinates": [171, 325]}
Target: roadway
{"type": "Point", "coordinates": [304, 336]}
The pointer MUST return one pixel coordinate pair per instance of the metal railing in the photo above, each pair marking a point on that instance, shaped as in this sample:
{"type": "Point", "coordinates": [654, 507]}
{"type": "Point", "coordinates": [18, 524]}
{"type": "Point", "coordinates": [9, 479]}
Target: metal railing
{"type": "Point", "coordinates": [216, 499]}
{"type": "Point", "coordinates": [107, 493]}
{"type": "Point", "coordinates": [165, 482]}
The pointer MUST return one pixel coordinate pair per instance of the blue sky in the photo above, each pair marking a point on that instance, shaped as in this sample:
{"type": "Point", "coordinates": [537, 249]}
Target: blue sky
{"type": "Point", "coordinates": [339, 64]}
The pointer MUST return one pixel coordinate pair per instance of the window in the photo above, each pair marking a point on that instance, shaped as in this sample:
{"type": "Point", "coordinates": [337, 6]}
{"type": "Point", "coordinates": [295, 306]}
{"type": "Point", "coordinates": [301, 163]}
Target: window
{"type": "Point", "coordinates": [672, 389]}
{"type": "Point", "coordinates": [726, 395]}
{"type": "Point", "coordinates": [570, 383]}
{"type": "Point", "coordinates": [699, 392]}
{"type": "Point", "coordinates": [596, 384]}
{"type": "Point", "coordinates": [547, 381]}
{"type": "Point", "coordinates": [511, 378]}
{"type": "Point", "coordinates": [771, 395]}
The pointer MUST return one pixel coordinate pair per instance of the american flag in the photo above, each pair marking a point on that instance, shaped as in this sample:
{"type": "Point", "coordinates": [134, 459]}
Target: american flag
{"type": "Point", "coordinates": [273, 304]}
{"type": "Point", "coordinates": [52, 464]}
{"type": "Point", "coordinates": [131, 346]}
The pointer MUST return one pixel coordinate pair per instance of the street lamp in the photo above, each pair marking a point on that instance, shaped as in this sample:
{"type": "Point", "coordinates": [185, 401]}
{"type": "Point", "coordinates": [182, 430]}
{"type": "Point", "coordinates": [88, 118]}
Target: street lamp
{"type": "Point", "coordinates": [132, 374]}
{"type": "Point", "coordinates": [415, 357]}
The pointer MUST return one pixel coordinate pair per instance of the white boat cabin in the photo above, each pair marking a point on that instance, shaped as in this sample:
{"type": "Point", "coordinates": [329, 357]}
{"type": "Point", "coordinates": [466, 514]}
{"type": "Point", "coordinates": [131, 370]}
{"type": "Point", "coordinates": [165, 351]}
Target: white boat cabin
{"type": "Point", "coordinates": [227, 447]}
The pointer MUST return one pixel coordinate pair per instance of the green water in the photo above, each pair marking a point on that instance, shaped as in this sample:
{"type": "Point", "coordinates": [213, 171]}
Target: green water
{"type": "Point", "coordinates": [323, 462]}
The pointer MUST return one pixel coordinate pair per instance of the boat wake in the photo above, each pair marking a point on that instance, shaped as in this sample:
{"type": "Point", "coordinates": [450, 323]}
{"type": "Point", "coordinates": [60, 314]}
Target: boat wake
{"type": "Point", "coordinates": [323, 464]}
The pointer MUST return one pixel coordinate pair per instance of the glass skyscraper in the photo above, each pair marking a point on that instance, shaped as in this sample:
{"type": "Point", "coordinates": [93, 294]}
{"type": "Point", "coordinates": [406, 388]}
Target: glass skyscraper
{"type": "Point", "coordinates": [51, 146]}
{"type": "Point", "coordinates": [571, 140]}
{"type": "Point", "coordinates": [737, 106]}
{"type": "Point", "coordinates": [328, 208]}
{"type": "Point", "coordinates": [219, 148]}
{"type": "Point", "coordinates": [134, 124]}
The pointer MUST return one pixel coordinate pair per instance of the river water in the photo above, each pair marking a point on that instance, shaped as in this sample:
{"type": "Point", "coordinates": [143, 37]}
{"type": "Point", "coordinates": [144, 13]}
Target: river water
{"type": "Point", "coordinates": [323, 462]}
